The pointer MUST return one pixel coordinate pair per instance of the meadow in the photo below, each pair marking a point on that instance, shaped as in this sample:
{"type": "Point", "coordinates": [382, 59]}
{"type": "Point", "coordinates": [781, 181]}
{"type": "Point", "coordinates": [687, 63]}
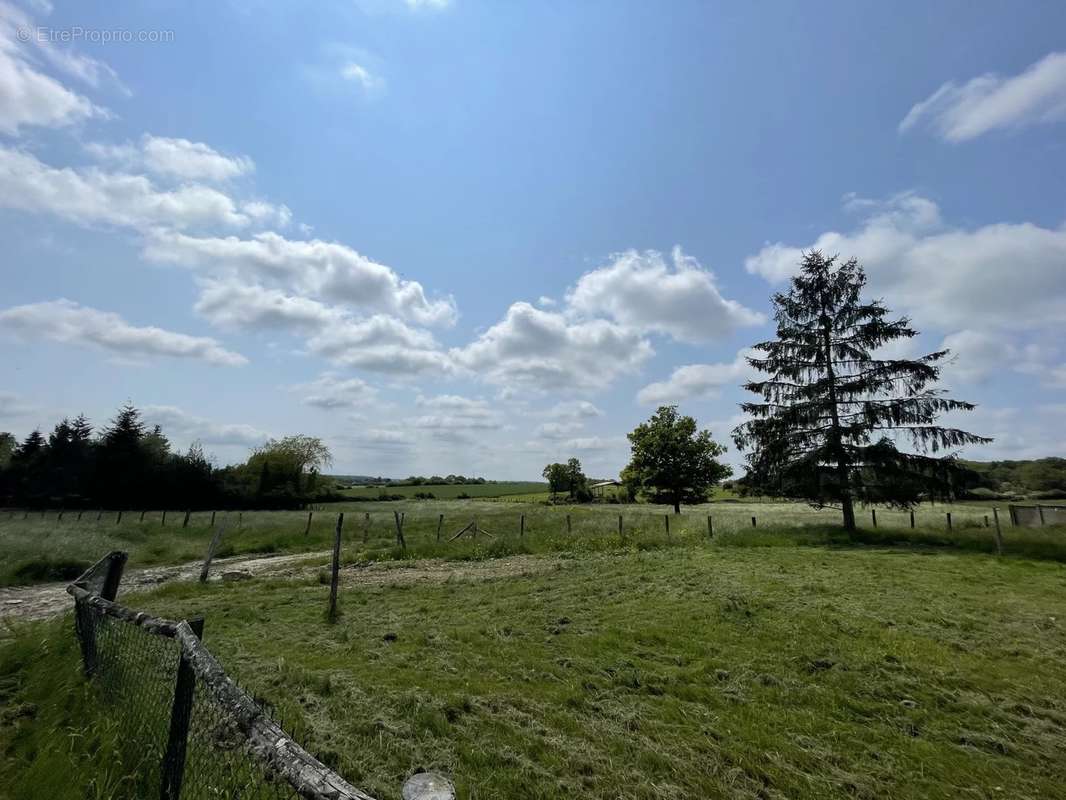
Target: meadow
{"type": "Point", "coordinates": [39, 547]}
{"type": "Point", "coordinates": [528, 489]}
{"type": "Point", "coordinates": [751, 667]}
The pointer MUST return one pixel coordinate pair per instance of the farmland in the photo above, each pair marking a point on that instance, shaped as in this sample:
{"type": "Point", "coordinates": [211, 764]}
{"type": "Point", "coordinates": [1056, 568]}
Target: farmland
{"type": "Point", "coordinates": [450, 491]}
{"type": "Point", "coordinates": [751, 667]}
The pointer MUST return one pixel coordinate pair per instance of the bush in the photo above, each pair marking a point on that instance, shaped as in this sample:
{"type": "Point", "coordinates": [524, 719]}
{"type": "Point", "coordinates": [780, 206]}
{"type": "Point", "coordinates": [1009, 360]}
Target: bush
{"type": "Point", "coordinates": [425, 496]}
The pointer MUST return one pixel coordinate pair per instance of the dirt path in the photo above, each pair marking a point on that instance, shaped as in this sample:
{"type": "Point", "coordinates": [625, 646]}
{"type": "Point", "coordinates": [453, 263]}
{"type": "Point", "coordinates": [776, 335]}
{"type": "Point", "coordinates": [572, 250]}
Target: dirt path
{"type": "Point", "coordinates": [49, 599]}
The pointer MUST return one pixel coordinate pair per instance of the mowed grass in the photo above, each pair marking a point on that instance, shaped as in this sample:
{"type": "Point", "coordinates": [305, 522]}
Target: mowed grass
{"type": "Point", "coordinates": [40, 548]}
{"type": "Point", "coordinates": [707, 671]}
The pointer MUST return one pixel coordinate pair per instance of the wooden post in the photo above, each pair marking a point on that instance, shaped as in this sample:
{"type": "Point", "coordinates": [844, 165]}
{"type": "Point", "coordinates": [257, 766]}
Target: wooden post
{"type": "Point", "coordinates": [216, 537]}
{"type": "Point", "coordinates": [912, 517]}
{"type": "Point", "coordinates": [440, 524]}
{"type": "Point", "coordinates": [164, 522]}
{"type": "Point", "coordinates": [621, 530]}
{"type": "Point", "coordinates": [118, 518]}
{"type": "Point", "coordinates": [999, 533]}
{"type": "Point", "coordinates": [986, 520]}
{"type": "Point", "coordinates": [99, 514]}
{"type": "Point", "coordinates": [710, 527]}
{"type": "Point", "coordinates": [115, 565]}
{"type": "Point", "coordinates": [568, 523]}
{"type": "Point", "coordinates": [307, 528]}
{"type": "Point", "coordinates": [399, 532]}
{"type": "Point", "coordinates": [366, 530]}
{"type": "Point", "coordinates": [1040, 511]}
{"type": "Point", "coordinates": [185, 522]}
{"type": "Point", "coordinates": [666, 520]}
{"type": "Point", "coordinates": [240, 518]}
{"type": "Point", "coordinates": [85, 617]}
{"type": "Point", "coordinates": [335, 577]}
{"type": "Point", "coordinates": [212, 519]}
{"type": "Point", "coordinates": [521, 527]}
{"type": "Point", "coordinates": [753, 522]}
{"type": "Point", "coordinates": [173, 767]}
{"type": "Point", "coordinates": [949, 520]}
{"type": "Point", "coordinates": [59, 517]}
{"type": "Point", "coordinates": [873, 516]}
{"type": "Point", "coordinates": [79, 515]}
{"type": "Point", "coordinates": [142, 517]}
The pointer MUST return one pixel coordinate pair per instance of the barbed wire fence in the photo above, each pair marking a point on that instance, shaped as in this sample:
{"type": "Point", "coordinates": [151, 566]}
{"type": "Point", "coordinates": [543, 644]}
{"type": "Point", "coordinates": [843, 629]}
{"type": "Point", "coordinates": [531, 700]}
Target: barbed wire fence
{"type": "Point", "coordinates": [189, 731]}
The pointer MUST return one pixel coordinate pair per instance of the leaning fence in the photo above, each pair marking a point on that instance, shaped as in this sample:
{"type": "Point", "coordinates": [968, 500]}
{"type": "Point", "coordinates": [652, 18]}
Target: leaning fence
{"type": "Point", "coordinates": [1037, 516]}
{"type": "Point", "coordinates": [188, 730]}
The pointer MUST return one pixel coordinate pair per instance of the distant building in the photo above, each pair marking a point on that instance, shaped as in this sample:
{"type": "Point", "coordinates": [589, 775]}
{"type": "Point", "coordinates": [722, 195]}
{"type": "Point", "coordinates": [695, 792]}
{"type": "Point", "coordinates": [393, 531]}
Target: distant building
{"type": "Point", "coordinates": [598, 488]}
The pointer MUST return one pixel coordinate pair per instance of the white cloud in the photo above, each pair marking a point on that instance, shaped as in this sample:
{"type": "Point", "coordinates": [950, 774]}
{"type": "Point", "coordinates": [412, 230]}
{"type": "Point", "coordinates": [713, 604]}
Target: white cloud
{"type": "Point", "coordinates": [575, 409]}
{"type": "Point", "coordinates": [418, 5]}
{"type": "Point", "coordinates": [360, 75]}
{"type": "Point", "coordinates": [93, 196]}
{"type": "Point", "coordinates": [454, 412]}
{"type": "Point", "coordinates": [176, 422]}
{"type": "Point", "coordinates": [332, 391]}
{"type": "Point", "coordinates": [1005, 274]}
{"type": "Point", "coordinates": [990, 102]}
{"type": "Point", "coordinates": [29, 97]}
{"type": "Point", "coordinates": [595, 443]}
{"type": "Point", "coordinates": [232, 304]}
{"type": "Point", "coordinates": [540, 349]}
{"type": "Point", "coordinates": [559, 430]}
{"type": "Point", "coordinates": [70, 323]}
{"type": "Point", "coordinates": [327, 270]}
{"type": "Point", "coordinates": [175, 158]}
{"type": "Point", "coordinates": [697, 381]}
{"type": "Point", "coordinates": [380, 343]}
{"type": "Point", "coordinates": [641, 291]}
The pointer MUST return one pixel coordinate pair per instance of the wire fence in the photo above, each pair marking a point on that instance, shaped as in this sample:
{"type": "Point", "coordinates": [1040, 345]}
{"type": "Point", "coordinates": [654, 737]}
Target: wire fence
{"type": "Point", "coordinates": [188, 730]}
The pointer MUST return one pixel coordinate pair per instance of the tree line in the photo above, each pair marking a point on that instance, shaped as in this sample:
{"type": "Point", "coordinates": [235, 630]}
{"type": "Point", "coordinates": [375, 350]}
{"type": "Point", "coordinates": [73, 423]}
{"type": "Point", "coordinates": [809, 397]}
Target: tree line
{"type": "Point", "coordinates": [128, 465]}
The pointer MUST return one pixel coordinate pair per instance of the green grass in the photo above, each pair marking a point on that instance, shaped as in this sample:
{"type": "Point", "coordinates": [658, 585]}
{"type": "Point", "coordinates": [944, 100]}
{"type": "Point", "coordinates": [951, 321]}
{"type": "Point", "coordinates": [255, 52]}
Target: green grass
{"type": "Point", "coordinates": [40, 549]}
{"type": "Point", "coordinates": [452, 491]}
{"type": "Point", "coordinates": [707, 671]}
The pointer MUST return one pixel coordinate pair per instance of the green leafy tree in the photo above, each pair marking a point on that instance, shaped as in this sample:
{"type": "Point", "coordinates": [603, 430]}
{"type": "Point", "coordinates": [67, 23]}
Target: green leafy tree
{"type": "Point", "coordinates": [674, 461]}
{"type": "Point", "coordinates": [289, 466]}
{"type": "Point", "coordinates": [557, 477]}
{"type": "Point", "coordinates": [831, 410]}
{"type": "Point", "coordinates": [576, 482]}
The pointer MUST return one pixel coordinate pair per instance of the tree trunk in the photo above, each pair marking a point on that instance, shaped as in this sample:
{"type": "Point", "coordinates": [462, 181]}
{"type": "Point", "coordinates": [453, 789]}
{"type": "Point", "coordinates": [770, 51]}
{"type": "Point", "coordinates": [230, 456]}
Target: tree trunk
{"type": "Point", "coordinates": [849, 514]}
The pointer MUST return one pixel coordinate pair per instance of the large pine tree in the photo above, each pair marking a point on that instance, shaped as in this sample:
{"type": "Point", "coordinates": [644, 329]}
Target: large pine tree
{"type": "Point", "coordinates": [833, 412]}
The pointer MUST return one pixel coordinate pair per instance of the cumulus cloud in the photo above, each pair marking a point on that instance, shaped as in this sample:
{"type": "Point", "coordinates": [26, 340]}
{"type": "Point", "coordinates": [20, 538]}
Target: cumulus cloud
{"type": "Point", "coordinates": [189, 427]}
{"type": "Point", "coordinates": [175, 158]}
{"type": "Point", "coordinates": [232, 304]}
{"type": "Point", "coordinates": [70, 323]}
{"type": "Point", "coordinates": [362, 77]}
{"type": "Point", "coordinates": [451, 412]}
{"type": "Point", "coordinates": [327, 270]}
{"type": "Point", "coordinates": [28, 96]}
{"type": "Point", "coordinates": [544, 350]}
{"type": "Point", "coordinates": [93, 196]}
{"type": "Point", "coordinates": [382, 344]}
{"type": "Point", "coordinates": [642, 291]}
{"type": "Point", "coordinates": [595, 443]}
{"type": "Point", "coordinates": [559, 430]}
{"type": "Point", "coordinates": [332, 391]}
{"type": "Point", "coordinates": [989, 102]}
{"type": "Point", "coordinates": [697, 381]}
{"type": "Point", "coordinates": [575, 409]}
{"type": "Point", "coordinates": [1004, 274]}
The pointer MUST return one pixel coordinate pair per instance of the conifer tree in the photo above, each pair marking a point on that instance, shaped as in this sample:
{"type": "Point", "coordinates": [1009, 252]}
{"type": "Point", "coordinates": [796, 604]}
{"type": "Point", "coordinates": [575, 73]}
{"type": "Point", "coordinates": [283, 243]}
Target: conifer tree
{"type": "Point", "coordinates": [833, 411]}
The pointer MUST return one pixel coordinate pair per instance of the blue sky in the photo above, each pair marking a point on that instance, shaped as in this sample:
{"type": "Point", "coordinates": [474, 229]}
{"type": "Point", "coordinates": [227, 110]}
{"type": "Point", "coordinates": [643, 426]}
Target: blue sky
{"type": "Point", "coordinates": [477, 237]}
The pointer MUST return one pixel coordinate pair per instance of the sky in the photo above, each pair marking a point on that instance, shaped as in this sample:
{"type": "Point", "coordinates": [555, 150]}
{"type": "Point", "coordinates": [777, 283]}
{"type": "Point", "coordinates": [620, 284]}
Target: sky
{"type": "Point", "coordinates": [477, 237]}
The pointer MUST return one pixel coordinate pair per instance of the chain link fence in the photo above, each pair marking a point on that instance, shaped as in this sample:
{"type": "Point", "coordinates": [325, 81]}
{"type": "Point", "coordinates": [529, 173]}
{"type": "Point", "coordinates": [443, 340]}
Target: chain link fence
{"type": "Point", "coordinates": [189, 731]}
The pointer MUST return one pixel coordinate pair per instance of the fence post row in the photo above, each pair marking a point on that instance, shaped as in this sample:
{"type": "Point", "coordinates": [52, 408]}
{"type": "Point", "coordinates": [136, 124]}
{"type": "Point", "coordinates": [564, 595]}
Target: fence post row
{"type": "Point", "coordinates": [173, 768]}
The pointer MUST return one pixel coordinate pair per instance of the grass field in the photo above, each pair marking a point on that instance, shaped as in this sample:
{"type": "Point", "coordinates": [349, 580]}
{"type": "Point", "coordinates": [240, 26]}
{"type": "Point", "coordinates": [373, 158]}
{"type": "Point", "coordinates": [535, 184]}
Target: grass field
{"type": "Point", "coordinates": [710, 672]}
{"type": "Point", "coordinates": [39, 549]}
{"type": "Point", "coordinates": [452, 491]}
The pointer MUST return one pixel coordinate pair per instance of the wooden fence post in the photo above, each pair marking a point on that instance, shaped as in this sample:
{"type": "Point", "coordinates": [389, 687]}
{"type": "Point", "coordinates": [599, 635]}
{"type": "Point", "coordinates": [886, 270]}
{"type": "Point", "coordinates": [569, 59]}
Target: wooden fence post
{"type": "Point", "coordinates": [59, 517]}
{"type": "Point", "coordinates": [335, 577]}
{"type": "Point", "coordinates": [240, 518]}
{"type": "Point", "coordinates": [873, 516]}
{"type": "Point", "coordinates": [999, 533]}
{"type": "Point", "coordinates": [1040, 511]}
{"type": "Point", "coordinates": [986, 520]}
{"type": "Point", "coordinates": [85, 618]}
{"type": "Point", "coordinates": [949, 520]}
{"type": "Point", "coordinates": [79, 515]}
{"type": "Point", "coordinates": [212, 519]}
{"type": "Point", "coordinates": [142, 516]}
{"type": "Point", "coordinates": [173, 767]}
{"type": "Point", "coordinates": [115, 565]}
{"type": "Point", "coordinates": [912, 517]}
{"type": "Point", "coordinates": [710, 527]}
{"type": "Point", "coordinates": [399, 532]}
{"type": "Point", "coordinates": [568, 529]}
{"type": "Point", "coordinates": [521, 526]}
{"type": "Point", "coordinates": [216, 537]}
{"type": "Point", "coordinates": [666, 520]}
{"type": "Point", "coordinates": [621, 530]}
{"type": "Point", "coordinates": [185, 522]}
{"type": "Point", "coordinates": [164, 521]}
{"type": "Point", "coordinates": [753, 522]}
{"type": "Point", "coordinates": [440, 524]}
{"type": "Point", "coordinates": [118, 518]}
{"type": "Point", "coordinates": [307, 528]}
{"type": "Point", "coordinates": [99, 515]}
